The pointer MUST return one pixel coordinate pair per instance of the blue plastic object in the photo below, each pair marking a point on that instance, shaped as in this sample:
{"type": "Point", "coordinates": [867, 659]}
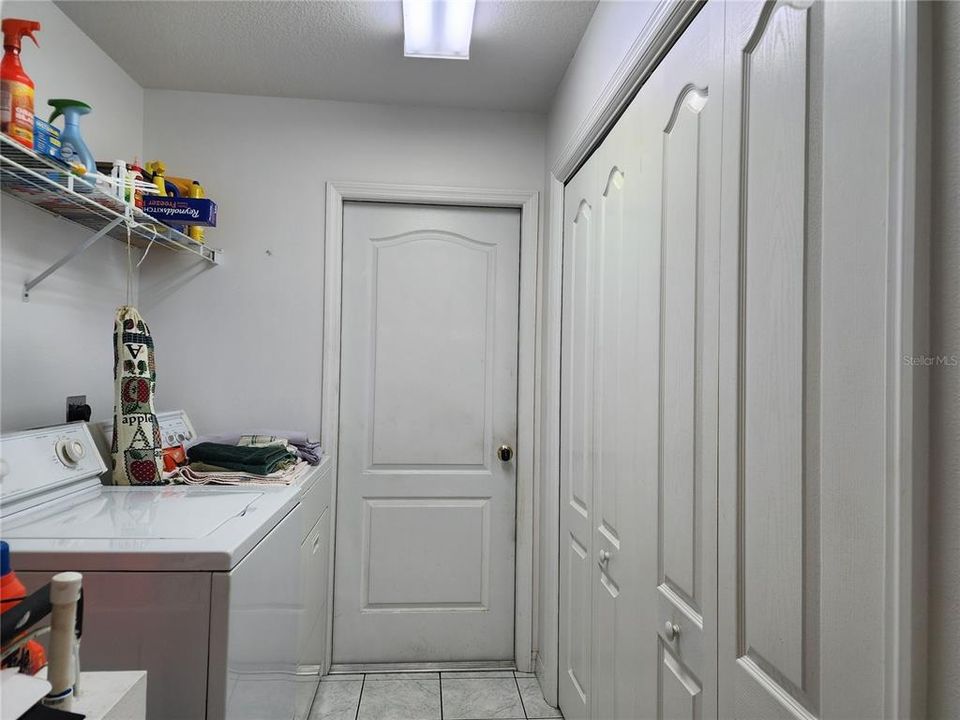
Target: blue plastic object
{"type": "Point", "coordinates": [4, 558]}
{"type": "Point", "coordinates": [72, 147]}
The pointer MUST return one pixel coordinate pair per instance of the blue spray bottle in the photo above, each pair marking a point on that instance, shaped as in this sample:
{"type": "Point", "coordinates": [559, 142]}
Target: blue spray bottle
{"type": "Point", "coordinates": [73, 150]}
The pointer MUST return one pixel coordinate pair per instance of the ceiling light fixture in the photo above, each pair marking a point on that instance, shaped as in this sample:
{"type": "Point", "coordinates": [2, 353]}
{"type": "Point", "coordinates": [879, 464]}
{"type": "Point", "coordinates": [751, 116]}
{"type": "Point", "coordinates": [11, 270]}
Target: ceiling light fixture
{"type": "Point", "coordinates": [438, 28]}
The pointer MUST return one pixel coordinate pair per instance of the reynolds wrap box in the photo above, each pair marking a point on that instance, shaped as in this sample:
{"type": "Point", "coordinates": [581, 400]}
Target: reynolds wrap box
{"type": "Point", "coordinates": [181, 210]}
{"type": "Point", "coordinates": [46, 138]}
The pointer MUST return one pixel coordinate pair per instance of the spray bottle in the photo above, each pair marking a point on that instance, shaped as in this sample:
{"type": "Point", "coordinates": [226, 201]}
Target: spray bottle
{"type": "Point", "coordinates": [16, 87]}
{"type": "Point", "coordinates": [73, 150]}
{"type": "Point", "coordinates": [158, 171]}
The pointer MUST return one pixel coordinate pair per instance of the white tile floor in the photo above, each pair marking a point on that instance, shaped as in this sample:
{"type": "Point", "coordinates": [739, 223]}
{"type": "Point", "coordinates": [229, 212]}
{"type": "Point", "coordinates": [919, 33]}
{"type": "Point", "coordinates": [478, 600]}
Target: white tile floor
{"type": "Point", "coordinates": [459, 695]}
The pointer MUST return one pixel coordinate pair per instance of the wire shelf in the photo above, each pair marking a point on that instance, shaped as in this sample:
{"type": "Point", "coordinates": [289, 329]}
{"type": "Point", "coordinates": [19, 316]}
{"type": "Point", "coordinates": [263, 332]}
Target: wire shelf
{"type": "Point", "coordinates": [50, 186]}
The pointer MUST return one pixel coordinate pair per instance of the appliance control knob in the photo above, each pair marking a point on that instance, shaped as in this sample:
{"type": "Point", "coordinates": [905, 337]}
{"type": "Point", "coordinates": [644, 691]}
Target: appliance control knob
{"type": "Point", "coordinates": [70, 452]}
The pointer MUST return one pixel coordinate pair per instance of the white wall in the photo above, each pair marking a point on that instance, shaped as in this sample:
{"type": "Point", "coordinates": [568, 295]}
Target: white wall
{"type": "Point", "coordinates": [59, 343]}
{"type": "Point", "coordinates": [239, 345]}
{"type": "Point", "coordinates": [612, 32]}
{"type": "Point", "coordinates": [944, 459]}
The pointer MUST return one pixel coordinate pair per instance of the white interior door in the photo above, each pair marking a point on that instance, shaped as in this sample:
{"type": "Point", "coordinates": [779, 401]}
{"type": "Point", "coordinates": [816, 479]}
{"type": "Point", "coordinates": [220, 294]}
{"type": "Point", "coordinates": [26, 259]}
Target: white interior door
{"type": "Point", "coordinates": [804, 353]}
{"type": "Point", "coordinates": [425, 508]}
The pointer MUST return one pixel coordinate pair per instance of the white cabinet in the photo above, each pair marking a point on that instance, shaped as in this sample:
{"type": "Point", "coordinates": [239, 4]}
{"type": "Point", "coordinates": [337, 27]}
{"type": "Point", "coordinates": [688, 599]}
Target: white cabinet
{"type": "Point", "coordinates": [314, 573]}
{"type": "Point", "coordinates": [722, 377]}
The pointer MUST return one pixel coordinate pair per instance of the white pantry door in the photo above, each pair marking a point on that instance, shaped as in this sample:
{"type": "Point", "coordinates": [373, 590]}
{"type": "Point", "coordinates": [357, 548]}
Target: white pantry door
{"type": "Point", "coordinates": [426, 508]}
{"type": "Point", "coordinates": [804, 360]}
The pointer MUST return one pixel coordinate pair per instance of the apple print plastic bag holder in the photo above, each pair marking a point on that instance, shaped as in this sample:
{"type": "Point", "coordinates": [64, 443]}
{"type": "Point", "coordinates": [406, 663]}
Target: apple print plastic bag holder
{"type": "Point", "coordinates": [137, 451]}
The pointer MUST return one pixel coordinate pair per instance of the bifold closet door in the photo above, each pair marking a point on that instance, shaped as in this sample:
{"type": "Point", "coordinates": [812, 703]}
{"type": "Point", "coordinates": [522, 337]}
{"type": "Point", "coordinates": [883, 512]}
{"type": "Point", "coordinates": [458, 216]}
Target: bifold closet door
{"type": "Point", "coordinates": [576, 443]}
{"type": "Point", "coordinates": [601, 653]}
{"type": "Point", "coordinates": [625, 269]}
{"type": "Point", "coordinates": [638, 404]}
{"type": "Point", "coordinates": [804, 353]}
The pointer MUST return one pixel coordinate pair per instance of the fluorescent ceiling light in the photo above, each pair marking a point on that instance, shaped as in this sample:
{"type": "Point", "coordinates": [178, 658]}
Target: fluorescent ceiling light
{"type": "Point", "coordinates": [438, 28]}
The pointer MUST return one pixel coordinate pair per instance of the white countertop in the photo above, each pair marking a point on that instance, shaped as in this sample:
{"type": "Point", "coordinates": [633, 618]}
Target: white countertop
{"type": "Point", "coordinates": [120, 695]}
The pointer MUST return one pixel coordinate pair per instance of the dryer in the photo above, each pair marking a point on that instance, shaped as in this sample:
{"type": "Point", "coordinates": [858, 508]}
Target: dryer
{"type": "Point", "coordinates": [200, 586]}
{"type": "Point", "coordinates": [315, 554]}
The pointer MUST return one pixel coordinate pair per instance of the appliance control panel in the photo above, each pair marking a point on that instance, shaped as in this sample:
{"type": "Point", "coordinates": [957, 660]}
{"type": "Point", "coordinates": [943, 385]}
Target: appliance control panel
{"type": "Point", "coordinates": [35, 462]}
{"type": "Point", "coordinates": [175, 428]}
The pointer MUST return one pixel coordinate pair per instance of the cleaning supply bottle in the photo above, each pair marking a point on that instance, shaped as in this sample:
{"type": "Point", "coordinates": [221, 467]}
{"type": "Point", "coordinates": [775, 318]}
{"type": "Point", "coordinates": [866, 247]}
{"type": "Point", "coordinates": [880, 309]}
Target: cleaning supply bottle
{"type": "Point", "coordinates": [31, 657]}
{"type": "Point", "coordinates": [16, 87]}
{"type": "Point", "coordinates": [196, 232]}
{"type": "Point", "coordinates": [73, 150]}
{"type": "Point", "coordinates": [158, 171]}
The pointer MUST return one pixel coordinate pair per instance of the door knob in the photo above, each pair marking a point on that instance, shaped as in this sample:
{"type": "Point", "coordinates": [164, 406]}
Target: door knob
{"type": "Point", "coordinates": [505, 453]}
{"type": "Point", "coordinates": [603, 558]}
{"type": "Point", "coordinates": [671, 630]}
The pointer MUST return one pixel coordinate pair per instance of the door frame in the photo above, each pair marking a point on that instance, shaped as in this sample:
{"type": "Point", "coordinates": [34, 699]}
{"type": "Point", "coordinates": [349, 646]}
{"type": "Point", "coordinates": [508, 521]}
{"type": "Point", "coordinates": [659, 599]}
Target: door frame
{"type": "Point", "coordinates": [337, 193]}
{"type": "Point", "coordinates": [906, 483]}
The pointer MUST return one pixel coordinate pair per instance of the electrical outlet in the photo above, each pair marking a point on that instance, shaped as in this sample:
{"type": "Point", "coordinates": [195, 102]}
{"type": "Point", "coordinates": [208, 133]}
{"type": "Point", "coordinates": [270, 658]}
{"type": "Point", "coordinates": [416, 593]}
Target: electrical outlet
{"type": "Point", "coordinates": [77, 408]}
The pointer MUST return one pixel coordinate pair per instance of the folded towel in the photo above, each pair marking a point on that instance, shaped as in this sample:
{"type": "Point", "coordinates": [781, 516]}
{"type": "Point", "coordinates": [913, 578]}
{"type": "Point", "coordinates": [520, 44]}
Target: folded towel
{"type": "Point", "coordinates": [293, 437]}
{"type": "Point", "coordinates": [191, 475]}
{"type": "Point", "coordinates": [254, 460]}
{"type": "Point", "coordinates": [309, 451]}
{"type": "Point", "coordinates": [261, 441]}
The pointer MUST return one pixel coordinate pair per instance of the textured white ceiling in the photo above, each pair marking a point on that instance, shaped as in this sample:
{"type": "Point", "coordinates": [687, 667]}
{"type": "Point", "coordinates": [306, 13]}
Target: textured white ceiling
{"type": "Point", "coordinates": [337, 50]}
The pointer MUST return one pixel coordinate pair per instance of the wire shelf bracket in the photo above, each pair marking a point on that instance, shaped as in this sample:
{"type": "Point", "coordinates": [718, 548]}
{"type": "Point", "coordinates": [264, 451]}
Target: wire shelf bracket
{"type": "Point", "coordinates": [82, 247]}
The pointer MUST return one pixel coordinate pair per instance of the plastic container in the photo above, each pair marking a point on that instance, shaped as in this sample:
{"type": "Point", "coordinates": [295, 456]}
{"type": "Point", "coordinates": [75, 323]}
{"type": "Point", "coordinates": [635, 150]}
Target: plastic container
{"type": "Point", "coordinates": [31, 657]}
{"type": "Point", "coordinates": [16, 87]}
{"type": "Point", "coordinates": [73, 149]}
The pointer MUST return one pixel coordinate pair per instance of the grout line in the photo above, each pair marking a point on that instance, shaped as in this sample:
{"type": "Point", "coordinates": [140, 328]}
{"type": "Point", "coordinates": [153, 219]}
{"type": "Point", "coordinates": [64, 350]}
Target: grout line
{"type": "Point", "coordinates": [313, 700]}
{"type": "Point", "coordinates": [363, 684]}
{"type": "Point", "coordinates": [522, 705]}
{"type": "Point", "coordinates": [440, 680]}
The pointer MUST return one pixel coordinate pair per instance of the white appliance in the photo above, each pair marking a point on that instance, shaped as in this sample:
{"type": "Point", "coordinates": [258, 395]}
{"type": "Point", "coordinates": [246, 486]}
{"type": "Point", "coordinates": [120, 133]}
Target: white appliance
{"type": "Point", "coordinates": [200, 586]}
{"type": "Point", "coordinates": [315, 491]}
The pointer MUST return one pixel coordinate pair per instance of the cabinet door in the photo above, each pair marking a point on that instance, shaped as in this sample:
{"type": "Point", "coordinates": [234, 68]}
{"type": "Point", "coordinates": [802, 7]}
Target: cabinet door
{"type": "Point", "coordinates": [576, 443]}
{"type": "Point", "coordinates": [807, 154]}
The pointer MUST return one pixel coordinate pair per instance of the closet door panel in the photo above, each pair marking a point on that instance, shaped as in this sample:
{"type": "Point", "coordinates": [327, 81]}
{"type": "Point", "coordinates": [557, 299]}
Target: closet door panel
{"type": "Point", "coordinates": [777, 588]}
{"type": "Point", "coordinates": [685, 113]}
{"type": "Point", "coordinates": [801, 416]}
{"type": "Point", "coordinates": [621, 533]}
{"type": "Point", "coordinates": [576, 434]}
{"type": "Point", "coordinates": [679, 693]}
{"type": "Point", "coordinates": [682, 362]}
{"type": "Point", "coordinates": [774, 245]}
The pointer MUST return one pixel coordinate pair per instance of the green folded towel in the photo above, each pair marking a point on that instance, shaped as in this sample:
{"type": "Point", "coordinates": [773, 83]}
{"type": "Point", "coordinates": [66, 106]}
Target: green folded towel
{"type": "Point", "coordinates": [255, 460]}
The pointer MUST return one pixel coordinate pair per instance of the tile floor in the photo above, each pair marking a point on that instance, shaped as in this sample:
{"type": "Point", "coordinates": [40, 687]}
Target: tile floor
{"type": "Point", "coordinates": [458, 695]}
